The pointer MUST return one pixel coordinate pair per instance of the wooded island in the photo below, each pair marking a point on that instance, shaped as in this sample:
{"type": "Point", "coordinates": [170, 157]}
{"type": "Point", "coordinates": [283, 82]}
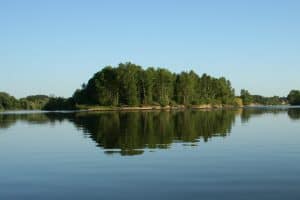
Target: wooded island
{"type": "Point", "coordinates": [131, 86]}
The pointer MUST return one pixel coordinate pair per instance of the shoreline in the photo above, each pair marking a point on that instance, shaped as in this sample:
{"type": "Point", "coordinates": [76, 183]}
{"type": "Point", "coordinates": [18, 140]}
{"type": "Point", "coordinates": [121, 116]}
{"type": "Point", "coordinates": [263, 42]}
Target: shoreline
{"type": "Point", "coordinates": [157, 108]}
{"type": "Point", "coordinates": [85, 108]}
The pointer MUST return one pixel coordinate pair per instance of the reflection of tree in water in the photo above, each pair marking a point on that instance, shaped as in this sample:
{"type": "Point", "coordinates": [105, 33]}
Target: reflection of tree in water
{"type": "Point", "coordinates": [131, 132]}
{"type": "Point", "coordinates": [294, 113]}
{"type": "Point", "coordinates": [248, 113]}
{"type": "Point", "coordinates": [7, 120]}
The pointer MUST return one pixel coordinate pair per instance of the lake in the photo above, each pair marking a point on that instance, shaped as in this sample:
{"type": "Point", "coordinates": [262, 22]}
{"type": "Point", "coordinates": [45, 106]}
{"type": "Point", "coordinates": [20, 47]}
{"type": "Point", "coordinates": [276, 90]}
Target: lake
{"type": "Point", "coordinates": [252, 153]}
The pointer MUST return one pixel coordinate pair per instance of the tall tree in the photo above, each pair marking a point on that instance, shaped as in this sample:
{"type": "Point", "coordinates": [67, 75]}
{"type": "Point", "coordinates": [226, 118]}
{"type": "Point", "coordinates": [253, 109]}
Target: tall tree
{"type": "Point", "coordinates": [163, 86]}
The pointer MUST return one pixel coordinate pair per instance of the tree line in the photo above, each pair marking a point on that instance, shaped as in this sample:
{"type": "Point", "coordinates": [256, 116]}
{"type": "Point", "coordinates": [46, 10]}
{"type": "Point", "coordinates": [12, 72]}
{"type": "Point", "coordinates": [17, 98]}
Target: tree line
{"type": "Point", "coordinates": [130, 84]}
{"type": "Point", "coordinates": [33, 102]}
{"type": "Point", "coordinates": [249, 99]}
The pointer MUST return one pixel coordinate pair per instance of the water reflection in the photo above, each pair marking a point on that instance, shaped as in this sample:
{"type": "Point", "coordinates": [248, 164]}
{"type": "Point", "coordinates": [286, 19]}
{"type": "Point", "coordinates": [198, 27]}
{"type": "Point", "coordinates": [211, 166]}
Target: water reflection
{"type": "Point", "coordinates": [129, 133]}
{"type": "Point", "coordinates": [294, 114]}
{"type": "Point", "coordinates": [8, 120]}
{"type": "Point", "coordinates": [133, 131]}
{"type": "Point", "coordinates": [248, 113]}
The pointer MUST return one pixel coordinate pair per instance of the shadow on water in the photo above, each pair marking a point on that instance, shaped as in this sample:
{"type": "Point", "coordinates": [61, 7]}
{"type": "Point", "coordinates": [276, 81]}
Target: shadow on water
{"type": "Point", "coordinates": [129, 133]}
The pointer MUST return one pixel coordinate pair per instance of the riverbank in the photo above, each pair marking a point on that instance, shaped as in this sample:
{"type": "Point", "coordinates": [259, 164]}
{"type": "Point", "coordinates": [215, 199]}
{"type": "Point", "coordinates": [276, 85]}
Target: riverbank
{"type": "Point", "coordinates": [152, 107]}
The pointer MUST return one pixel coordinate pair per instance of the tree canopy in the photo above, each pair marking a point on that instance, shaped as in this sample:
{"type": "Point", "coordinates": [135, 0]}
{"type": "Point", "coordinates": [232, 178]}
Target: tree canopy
{"type": "Point", "coordinates": [130, 84]}
{"type": "Point", "coordinates": [8, 102]}
{"type": "Point", "coordinates": [294, 97]}
{"type": "Point", "coordinates": [34, 102]}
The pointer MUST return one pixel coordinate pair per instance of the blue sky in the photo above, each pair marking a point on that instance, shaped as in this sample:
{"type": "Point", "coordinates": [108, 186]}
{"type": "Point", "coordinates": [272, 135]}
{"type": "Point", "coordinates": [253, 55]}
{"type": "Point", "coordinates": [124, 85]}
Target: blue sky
{"type": "Point", "coordinates": [52, 47]}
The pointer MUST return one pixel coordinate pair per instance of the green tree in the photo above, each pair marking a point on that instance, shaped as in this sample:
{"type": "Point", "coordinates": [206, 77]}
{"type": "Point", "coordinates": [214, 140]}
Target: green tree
{"type": "Point", "coordinates": [294, 97]}
{"type": "Point", "coordinates": [186, 87]}
{"type": "Point", "coordinates": [146, 83]}
{"type": "Point", "coordinates": [8, 102]}
{"type": "Point", "coordinates": [128, 82]}
{"type": "Point", "coordinates": [103, 88]}
{"type": "Point", "coordinates": [163, 86]}
{"type": "Point", "coordinates": [246, 97]}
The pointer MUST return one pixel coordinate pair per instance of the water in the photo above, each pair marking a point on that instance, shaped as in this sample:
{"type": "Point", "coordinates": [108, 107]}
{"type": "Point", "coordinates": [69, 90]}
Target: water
{"type": "Point", "coordinates": [229, 154]}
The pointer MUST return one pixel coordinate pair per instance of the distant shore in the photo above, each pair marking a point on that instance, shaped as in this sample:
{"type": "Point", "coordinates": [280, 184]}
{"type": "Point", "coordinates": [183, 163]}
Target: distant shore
{"type": "Point", "coordinates": [150, 107]}
{"type": "Point", "coordinates": [208, 107]}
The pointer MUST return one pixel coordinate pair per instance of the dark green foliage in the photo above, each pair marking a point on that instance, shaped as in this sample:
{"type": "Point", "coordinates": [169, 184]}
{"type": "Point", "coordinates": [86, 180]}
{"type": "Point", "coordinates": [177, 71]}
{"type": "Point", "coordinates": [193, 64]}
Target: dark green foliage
{"type": "Point", "coordinates": [8, 102]}
{"type": "Point", "coordinates": [131, 85]}
{"type": "Point", "coordinates": [128, 81]}
{"type": "Point", "coordinates": [59, 103]}
{"type": "Point", "coordinates": [294, 97]}
{"type": "Point", "coordinates": [185, 88]}
{"type": "Point", "coordinates": [163, 86]}
{"type": "Point", "coordinates": [146, 85]}
{"type": "Point", "coordinates": [103, 88]}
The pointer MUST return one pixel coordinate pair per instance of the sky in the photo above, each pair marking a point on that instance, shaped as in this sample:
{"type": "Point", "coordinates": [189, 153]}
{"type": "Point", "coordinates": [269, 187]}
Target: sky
{"type": "Point", "coordinates": [52, 47]}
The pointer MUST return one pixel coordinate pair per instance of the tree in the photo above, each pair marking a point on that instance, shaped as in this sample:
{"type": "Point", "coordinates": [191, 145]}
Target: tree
{"type": "Point", "coordinates": [8, 102]}
{"type": "Point", "coordinates": [146, 83]}
{"type": "Point", "coordinates": [130, 84]}
{"type": "Point", "coordinates": [246, 97]}
{"type": "Point", "coordinates": [128, 81]}
{"type": "Point", "coordinates": [163, 86]}
{"type": "Point", "coordinates": [185, 88]}
{"type": "Point", "coordinates": [294, 97]}
{"type": "Point", "coordinates": [103, 88]}
{"type": "Point", "coordinates": [59, 103]}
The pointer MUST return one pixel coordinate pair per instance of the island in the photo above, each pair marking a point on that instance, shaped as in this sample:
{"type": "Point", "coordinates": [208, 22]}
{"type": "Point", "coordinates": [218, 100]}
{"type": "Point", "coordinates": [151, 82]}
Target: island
{"type": "Point", "coordinates": [133, 87]}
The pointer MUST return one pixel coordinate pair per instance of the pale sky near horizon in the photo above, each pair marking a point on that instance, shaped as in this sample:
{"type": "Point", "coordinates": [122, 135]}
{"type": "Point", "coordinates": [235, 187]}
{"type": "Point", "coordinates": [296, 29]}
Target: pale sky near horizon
{"type": "Point", "coordinates": [52, 47]}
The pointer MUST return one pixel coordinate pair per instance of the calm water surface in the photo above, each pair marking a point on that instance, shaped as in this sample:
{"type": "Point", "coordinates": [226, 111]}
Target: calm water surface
{"type": "Point", "coordinates": [233, 154]}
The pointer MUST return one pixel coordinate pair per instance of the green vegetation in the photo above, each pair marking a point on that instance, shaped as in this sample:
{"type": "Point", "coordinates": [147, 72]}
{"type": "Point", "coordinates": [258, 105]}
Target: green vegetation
{"type": "Point", "coordinates": [59, 103]}
{"type": "Point", "coordinates": [36, 102]}
{"type": "Point", "coordinates": [246, 97]}
{"type": "Point", "coordinates": [131, 85]}
{"type": "Point", "coordinates": [8, 102]}
{"type": "Point", "coordinates": [249, 99]}
{"type": "Point", "coordinates": [294, 97]}
{"type": "Point", "coordinates": [275, 100]}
